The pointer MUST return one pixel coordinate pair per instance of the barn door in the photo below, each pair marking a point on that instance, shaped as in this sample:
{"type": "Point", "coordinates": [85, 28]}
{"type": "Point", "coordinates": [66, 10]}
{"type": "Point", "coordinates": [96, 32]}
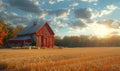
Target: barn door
{"type": "Point", "coordinates": [45, 42]}
{"type": "Point", "coordinates": [42, 41]}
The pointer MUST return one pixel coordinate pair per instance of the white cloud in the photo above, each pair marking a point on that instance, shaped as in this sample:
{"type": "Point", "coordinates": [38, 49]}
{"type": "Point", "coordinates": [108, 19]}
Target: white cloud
{"type": "Point", "coordinates": [74, 4]}
{"type": "Point", "coordinates": [95, 4]}
{"type": "Point", "coordinates": [98, 29]}
{"type": "Point", "coordinates": [13, 17]}
{"type": "Point", "coordinates": [3, 15]}
{"type": "Point", "coordinates": [55, 30]}
{"type": "Point", "coordinates": [31, 6]}
{"type": "Point", "coordinates": [1, 2]}
{"type": "Point", "coordinates": [60, 13]}
{"type": "Point", "coordinates": [78, 31]}
{"type": "Point", "coordinates": [89, 0]}
{"type": "Point", "coordinates": [74, 31]}
{"type": "Point", "coordinates": [51, 2]}
{"type": "Point", "coordinates": [110, 23]}
{"type": "Point", "coordinates": [36, 2]}
{"type": "Point", "coordinates": [64, 14]}
{"type": "Point", "coordinates": [43, 2]}
{"type": "Point", "coordinates": [60, 0]}
{"type": "Point", "coordinates": [57, 23]}
{"type": "Point", "coordinates": [101, 13]}
{"type": "Point", "coordinates": [111, 7]}
{"type": "Point", "coordinates": [77, 24]}
{"type": "Point", "coordinates": [3, 6]}
{"type": "Point", "coordinates": [54, 1]}
{"type": "Point", "coordinates": [42, 15]}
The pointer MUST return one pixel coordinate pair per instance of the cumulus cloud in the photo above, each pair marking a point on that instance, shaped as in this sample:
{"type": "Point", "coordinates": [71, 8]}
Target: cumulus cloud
{"type": "Point", "coordinates": [60, 13]}
{"type": "Point", "coordinates": [89, 0]}
{"type": "Point", "coordinates": [13, 17]}
{"type": "Point", "coordinates": [77, 24]}
{"type": "Point", "coordinates": [30, 6]}
{"type": "Point", "coordinates": [60, 0]}
{"type": "Point", "coordinates": [115, 33]}
{"type": "Point", "coordinates": [101, 13]}
{"type": "Point", "coordinates": [51, 2]}
{"type": "Point", "coordinates": [83, 13]}
{"type": "Point", "coordinates": [9, 16]}
{"type": "Point", "coordinates": [54, 1]}
{"type": "Point", "coordinates": [3, 15]}
{"type": "Point", "coordinates": [110, 23]}
{"type": "Point", "coordinates": [26, 5]}
{"type": "Point", "coordinates": [42, 15]}
{"type": "Point", "coordinates": [3, 6]}
{"type": "Point", "coordinates": [109, 9]}
{"type": "Point", "coordinates": [73, 4]}
{"type": "Point", "coordinates": [57, 23]}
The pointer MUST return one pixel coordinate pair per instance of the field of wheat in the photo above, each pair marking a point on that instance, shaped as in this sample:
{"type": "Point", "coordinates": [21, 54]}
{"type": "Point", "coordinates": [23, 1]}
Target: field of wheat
{"type": "Point", "coordinates": [65, 59]}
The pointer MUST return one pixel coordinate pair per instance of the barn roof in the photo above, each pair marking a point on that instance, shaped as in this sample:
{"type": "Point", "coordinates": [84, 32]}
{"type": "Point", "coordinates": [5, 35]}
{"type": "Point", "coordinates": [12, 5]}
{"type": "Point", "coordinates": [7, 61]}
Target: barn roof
{"type": "Point", "coordinates": [21, 38]}
{"type": "Point", "coordinates": [32, 28]}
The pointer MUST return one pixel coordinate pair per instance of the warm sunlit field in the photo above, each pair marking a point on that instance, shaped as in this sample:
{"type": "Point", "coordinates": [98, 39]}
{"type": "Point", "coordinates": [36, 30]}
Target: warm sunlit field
{"type": "Point", "coordinates": [66, 59]}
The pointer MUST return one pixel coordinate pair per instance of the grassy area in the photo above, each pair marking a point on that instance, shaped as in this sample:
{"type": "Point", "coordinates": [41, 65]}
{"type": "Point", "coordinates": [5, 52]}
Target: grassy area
{"type": "Point", "coordinates": [66, 59]}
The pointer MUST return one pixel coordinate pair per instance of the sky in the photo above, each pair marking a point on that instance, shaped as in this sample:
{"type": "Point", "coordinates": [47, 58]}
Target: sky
{"type": "Point", "coordinates": [66, 17]}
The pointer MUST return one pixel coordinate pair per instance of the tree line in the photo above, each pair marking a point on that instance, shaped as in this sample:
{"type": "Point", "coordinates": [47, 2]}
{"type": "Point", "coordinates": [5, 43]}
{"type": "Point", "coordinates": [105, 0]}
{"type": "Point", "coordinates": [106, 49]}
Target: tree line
{"type": "Point", "coordinates": [8, 31]}
{"type": "Point", "coordinates": [87, 41]}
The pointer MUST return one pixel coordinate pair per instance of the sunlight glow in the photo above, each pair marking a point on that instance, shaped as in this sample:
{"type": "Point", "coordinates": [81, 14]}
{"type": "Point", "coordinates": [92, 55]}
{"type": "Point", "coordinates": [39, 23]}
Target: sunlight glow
{"type": "Point", "coordinates": [100, 30]}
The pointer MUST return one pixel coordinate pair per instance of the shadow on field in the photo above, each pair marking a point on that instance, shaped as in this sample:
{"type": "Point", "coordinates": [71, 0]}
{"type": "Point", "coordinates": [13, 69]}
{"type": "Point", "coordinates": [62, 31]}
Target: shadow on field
{"type": "Point", "coordinates": [3, 66]}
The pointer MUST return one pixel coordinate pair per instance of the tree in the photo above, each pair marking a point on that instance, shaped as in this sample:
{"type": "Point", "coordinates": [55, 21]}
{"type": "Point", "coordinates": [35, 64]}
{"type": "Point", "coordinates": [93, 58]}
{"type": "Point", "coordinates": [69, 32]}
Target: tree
{"type": "Point", "coordinates": [7, 31]}
{"type": "Point", "coordinates": [58, 41]}
{"type": "Point", "coordinates": [3, 33]}
{"type": "Point", "coordinates": [17, 29]}
{"type": "Point", "coordinates": [87, 41]}
{"type": "Point", "coordinates": [65, 41]}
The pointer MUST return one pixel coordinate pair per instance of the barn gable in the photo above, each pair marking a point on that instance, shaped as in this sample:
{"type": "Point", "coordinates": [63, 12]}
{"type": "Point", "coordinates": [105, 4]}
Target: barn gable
{"type": "Point", "coordinates": [46, 28]}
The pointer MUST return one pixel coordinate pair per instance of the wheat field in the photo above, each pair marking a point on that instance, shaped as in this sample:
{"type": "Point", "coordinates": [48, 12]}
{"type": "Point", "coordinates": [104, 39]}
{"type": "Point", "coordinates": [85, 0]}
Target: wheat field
{"type": "Point", "coordinates": [65, 59]}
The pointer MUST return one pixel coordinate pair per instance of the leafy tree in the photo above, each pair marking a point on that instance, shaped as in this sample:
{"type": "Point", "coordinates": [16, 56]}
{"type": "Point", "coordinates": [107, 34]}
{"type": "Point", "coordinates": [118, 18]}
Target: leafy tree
{"type": "Point", "coordinates": [2, 35]}
{"type": "Point", "coordinates": [3, 31]}
{"type": "Point", "coordinates": [58, 41]}
{"type": "Point", "coordinates": [65, 41]}
{"type": "Point", "coordinates": [17, 29]}
{"type": "Point", "coordinates": [7, 31]}
{"type": "Point", "coordinates": [87, 41]}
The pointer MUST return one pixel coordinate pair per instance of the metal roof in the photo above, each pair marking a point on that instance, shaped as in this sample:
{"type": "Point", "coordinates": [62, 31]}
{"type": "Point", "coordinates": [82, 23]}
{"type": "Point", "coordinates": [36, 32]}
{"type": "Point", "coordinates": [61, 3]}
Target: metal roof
{"type": "Point", "coordinates": [32, 28]}
{"type": "Point", "coordinates": [21, 38]}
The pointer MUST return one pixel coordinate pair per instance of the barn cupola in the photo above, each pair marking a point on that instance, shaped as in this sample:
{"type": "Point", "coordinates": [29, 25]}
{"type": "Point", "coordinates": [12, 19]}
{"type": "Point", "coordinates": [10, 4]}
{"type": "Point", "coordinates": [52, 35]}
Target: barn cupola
{"type": "Point", "coordinates": [35, 23]}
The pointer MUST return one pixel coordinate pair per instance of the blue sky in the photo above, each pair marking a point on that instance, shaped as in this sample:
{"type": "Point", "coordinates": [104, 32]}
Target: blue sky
{"type": "Point", "coordinates": [66, 17]}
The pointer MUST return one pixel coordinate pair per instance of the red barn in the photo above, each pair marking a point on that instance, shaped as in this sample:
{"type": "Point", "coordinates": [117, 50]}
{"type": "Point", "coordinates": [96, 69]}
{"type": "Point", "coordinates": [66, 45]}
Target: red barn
{"type": "Point", "coordinates": [38, 34]}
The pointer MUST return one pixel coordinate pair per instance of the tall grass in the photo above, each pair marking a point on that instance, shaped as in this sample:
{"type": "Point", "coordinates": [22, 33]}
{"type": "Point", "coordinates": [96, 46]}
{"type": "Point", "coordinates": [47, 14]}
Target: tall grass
{"type": "Point", "coordinates": [66, 59]}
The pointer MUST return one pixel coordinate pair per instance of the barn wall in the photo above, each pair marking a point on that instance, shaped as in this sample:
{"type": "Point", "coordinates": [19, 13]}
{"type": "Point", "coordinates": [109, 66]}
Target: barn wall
{"type": "Point", "coordinates": [45, 38]}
